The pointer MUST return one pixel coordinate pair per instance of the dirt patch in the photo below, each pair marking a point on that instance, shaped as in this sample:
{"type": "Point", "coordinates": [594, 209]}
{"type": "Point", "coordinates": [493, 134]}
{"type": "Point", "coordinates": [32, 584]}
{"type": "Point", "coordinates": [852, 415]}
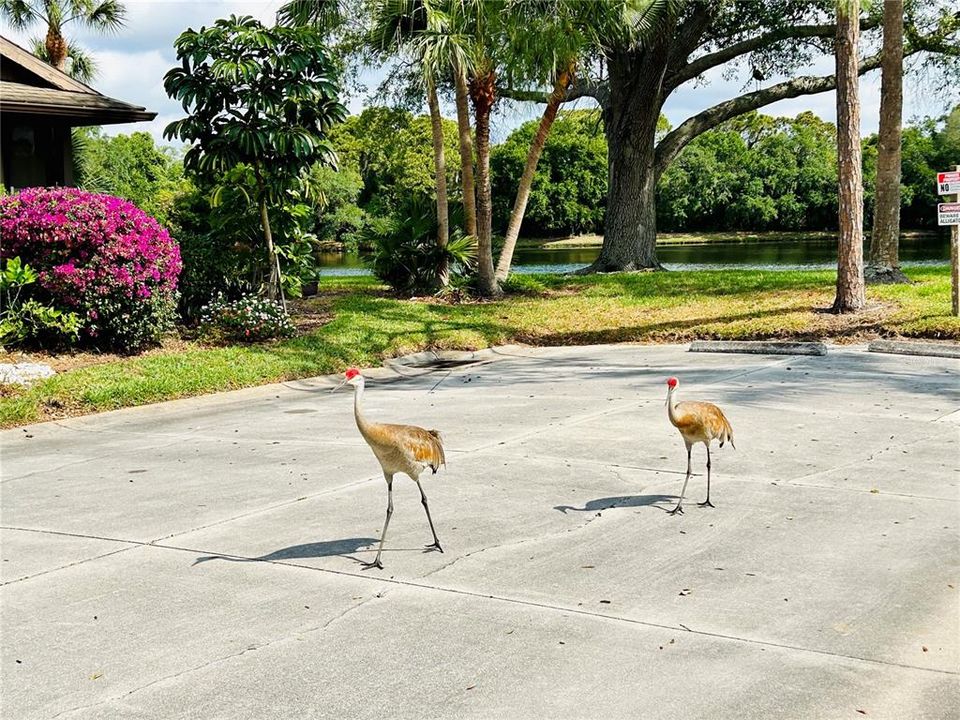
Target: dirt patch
{"type": "Point", "coordinates": [64, 362]}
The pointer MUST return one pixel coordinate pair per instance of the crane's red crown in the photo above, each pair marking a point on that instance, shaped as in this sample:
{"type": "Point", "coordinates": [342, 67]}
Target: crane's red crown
{"type": "Point", "coordinates": [672, 382]}
{"type": "Point", "coordinates": [351, 373]}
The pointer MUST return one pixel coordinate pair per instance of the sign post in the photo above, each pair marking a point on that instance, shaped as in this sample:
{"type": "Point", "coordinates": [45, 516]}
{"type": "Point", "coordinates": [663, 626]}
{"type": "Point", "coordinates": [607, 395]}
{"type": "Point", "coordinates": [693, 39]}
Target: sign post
{"type": "Point", "coordinates": [949, 214]}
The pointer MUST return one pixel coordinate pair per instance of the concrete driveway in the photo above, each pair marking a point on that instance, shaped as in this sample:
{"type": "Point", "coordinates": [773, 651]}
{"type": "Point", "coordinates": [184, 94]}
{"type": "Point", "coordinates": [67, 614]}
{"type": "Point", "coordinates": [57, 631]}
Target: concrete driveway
{"type": "Point", "coordinates": [201, 558]}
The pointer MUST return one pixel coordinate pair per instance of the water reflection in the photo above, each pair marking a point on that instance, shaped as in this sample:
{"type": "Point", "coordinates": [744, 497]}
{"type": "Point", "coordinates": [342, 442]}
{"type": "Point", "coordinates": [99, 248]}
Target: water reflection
{"type": "Point", "coordinates": [777, 255]}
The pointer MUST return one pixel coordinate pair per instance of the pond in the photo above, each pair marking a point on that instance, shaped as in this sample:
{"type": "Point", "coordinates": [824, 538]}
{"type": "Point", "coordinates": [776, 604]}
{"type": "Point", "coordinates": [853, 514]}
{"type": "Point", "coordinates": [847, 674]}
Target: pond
{"type": "Point", "coordinates": [812, 253]}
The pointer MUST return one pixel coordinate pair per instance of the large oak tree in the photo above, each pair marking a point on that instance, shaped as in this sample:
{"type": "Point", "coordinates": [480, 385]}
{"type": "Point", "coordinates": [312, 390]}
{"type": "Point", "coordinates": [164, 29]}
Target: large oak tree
{"type": "Point", "coordinates": [632, 81]}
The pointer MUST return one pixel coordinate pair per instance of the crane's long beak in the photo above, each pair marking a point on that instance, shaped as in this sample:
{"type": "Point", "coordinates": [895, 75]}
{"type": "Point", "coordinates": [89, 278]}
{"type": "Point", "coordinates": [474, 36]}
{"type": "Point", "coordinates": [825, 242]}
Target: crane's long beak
{"type": "Point", "coordinates": [342, 383]}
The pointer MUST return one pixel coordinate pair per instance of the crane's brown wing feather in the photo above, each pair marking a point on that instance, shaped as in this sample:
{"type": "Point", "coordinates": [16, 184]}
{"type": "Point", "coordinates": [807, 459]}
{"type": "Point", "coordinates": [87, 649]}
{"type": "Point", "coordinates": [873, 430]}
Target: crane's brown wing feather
{"type": "Point", "coordinates": [704, 420]}
{"type": "Point", "coordinates": [423, 446]}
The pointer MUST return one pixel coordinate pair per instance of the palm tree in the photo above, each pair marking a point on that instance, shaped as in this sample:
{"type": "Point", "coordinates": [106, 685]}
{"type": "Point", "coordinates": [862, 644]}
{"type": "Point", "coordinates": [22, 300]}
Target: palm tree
{"type": "Point", "coordinates": [850, 285]}
{"type": "Point", "coordinates": [104, 16]}
{"type": "Point", "coordinates": [425, 30]}
{"type": "Point", "coordinates": [885, 240]}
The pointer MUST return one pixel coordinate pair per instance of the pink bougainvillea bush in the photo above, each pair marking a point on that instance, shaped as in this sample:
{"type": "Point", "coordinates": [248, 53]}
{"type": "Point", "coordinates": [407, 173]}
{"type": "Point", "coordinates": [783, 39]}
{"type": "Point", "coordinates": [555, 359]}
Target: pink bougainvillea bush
{"type": "Point", "coordinates": [99, 256]}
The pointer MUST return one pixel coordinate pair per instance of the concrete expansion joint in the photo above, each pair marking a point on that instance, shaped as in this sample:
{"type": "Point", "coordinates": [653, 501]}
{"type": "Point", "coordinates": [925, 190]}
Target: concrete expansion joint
{"type": "Point", "coordinates": [253, 647]}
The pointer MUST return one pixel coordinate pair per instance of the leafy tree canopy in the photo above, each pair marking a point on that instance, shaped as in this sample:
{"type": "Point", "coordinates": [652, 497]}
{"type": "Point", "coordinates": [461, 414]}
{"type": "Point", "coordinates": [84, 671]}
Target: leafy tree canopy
{"type": "Point", "coordinates": [264, 97]}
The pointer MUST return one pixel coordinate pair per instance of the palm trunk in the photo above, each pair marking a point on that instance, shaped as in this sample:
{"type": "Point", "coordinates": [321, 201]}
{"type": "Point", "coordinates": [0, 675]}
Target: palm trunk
{"type": "Point", "coordinates": [482, 92]}
{"type": "Point", "coordinates": [885, 240]}
{"type": "Point", "coordinates": [56, 46]}
{"type": "Point", "coordinates": [850, 284]}
{"type": "Point", "coordinates": [466, 152]}
{"type": "Point", "coordinates": [526, 180]}
{"type": "Point", "coordinates": [440, 168]}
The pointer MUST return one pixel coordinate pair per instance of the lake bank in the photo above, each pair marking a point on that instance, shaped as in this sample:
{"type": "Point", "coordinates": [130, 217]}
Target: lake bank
{"type": "Point", "coordinates": [693, 252]}
{"type": "Point", "coordinates": [717, 236]}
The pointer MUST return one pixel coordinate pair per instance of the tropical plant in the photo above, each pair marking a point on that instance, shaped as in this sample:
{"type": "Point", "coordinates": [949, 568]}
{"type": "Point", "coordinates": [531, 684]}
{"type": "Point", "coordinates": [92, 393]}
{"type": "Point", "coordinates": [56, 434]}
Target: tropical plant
{"type": "Point", "coordinates": [103, 16]}
{"type": "Point", "coordinates": [99, 256]}
{"type": "Point", "coordinates": [265, 98]}
{"type": "Point", "coordinates": [405, 252]}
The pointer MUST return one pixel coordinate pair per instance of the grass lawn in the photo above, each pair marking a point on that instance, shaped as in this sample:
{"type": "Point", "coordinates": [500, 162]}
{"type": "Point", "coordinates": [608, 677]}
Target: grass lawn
{"type": "Point", "coordinates": [365, 325]}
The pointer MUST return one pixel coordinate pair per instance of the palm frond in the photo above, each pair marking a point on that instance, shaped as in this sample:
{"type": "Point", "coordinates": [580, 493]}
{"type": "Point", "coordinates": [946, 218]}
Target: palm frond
{"type": "Point", "coordinates": [19, 13]}
{"type": "Point", "coordinates": [325, 15]}
{"type": "Point", "coordinates": [82, 66]}
{"type": "Point", "coordinates": [108, 16]}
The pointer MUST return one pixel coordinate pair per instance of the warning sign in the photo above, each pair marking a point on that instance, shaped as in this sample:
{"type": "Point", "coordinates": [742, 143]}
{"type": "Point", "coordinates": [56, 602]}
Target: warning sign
{"type": "Point", "coordinates": [948, 214]}
{"type": "Point", "coordinates": [947, 183]}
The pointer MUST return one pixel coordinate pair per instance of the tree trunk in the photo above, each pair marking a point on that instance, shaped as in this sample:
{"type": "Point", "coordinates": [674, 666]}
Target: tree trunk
{"type": "Point", "coordinates": [273, 283]}
{"type": "Point", "coordinates": [884, 264]}
{"type": "Point", "coordinates": [482, 92]}
{"type": "Point", "coordinates": [630, 124]}
{"type": "Point", "coordinates": [440, 168]}
{"type": "Point", "coordinates": [56, 46]}
{"type": "Point", "coordinates": [850, 284]}
{"type": "Point", "coordinates": [526, 180]}
{"type": "Point", "coordinates": [466, 152]}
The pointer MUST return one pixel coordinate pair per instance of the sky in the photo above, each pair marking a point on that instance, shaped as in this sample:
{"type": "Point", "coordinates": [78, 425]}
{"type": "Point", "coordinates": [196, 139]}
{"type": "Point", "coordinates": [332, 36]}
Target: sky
{"type": "Point", "coordinates": [132, 64]}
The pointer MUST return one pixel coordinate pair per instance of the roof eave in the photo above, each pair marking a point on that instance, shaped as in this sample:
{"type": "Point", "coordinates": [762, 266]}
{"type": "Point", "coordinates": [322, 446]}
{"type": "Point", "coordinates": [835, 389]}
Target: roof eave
{"type": "Point", "coordinates": [82, 116]}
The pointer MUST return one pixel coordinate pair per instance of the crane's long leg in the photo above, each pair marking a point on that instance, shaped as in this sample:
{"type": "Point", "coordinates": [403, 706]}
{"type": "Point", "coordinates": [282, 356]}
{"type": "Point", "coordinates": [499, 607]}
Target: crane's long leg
{"type": "Point", "coordinates": [679, 507]}
{"type": "Point", "coordinates": [707, 503]}
{"type": "Point", "coordinates": [386, 522]}
{"type": "Point", "coordinates": [423, 499]}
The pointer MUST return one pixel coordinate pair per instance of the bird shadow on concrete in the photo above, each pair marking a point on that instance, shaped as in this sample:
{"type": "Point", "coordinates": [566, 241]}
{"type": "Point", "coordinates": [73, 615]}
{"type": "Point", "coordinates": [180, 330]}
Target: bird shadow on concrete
{"type": "Point", "coordinates": [620, 501]}
{"type": "Point", "coordinates": [324, 548]}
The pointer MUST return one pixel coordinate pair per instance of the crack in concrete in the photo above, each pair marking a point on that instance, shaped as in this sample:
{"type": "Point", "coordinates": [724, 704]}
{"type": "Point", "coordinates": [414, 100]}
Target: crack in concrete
{"type": "Point", "coordinates": [72, 463]}
{"type": "Point", "coordinates": [225, 658]}
{"type": "Point", "coordinates": [68, 565]}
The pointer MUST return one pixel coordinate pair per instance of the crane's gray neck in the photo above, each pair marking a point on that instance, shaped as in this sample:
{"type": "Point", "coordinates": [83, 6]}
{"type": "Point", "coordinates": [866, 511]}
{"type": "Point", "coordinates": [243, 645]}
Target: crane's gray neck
{"type": "Point", "coordinates": [362, 423]}
{"type": "Point", "coordinates": [671, 405]}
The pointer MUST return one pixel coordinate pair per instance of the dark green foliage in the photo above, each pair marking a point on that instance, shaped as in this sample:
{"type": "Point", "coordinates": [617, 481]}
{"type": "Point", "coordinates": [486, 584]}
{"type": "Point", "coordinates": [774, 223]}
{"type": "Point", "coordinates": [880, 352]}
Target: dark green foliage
{"type": "Point", "coordinates": [214, 260]}
{"type": "Point", "coordinates": [569, 192]}
{"type": "Point", "coordinates": [754, 172]}
{"type": "Point", "coordinates": [391, 150]}
{"type": "Point", "coordinates": [128, 166]}
{"type": "Point", "coordinates": [339, 219]}
{"type": "Point", "coordinates": [405, 252]}
{"type": "Point", "coordinates": [264, 97]}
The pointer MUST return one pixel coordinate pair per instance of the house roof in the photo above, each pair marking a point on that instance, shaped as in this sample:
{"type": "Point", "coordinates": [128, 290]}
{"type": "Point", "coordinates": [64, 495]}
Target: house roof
{"type": "Point", "coordinates": [29, 86]}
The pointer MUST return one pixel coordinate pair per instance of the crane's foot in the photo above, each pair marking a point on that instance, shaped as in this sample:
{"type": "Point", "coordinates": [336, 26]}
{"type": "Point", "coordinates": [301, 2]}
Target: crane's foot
{"type": "Point", "coordinates": [706, 503]}
{"type": "Point", "coordinates": [375, 564]}
{"type": "Point", "coordinates": [434, 546]}
{"type": "Point", "coordinates": [677, 510]}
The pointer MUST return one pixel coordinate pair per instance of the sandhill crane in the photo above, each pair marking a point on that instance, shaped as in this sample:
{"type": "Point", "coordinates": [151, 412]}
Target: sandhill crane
{"type": "Point", "coordinates": [400, 449]}
{"type": "Point", "coordinates": [697, 422]}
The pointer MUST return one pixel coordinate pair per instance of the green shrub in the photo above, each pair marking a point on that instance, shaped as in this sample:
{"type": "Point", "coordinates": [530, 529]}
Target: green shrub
{"type": "Point", "coordinates": [27, 321]}
{"type": "Point", "coordinates": [247, 319]}
{"type": "Point", "coordinates": [405, 251]}
{"type": "Point", "coordinates": [99, 255]}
